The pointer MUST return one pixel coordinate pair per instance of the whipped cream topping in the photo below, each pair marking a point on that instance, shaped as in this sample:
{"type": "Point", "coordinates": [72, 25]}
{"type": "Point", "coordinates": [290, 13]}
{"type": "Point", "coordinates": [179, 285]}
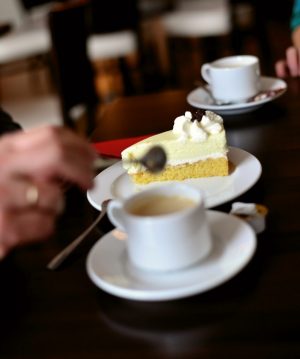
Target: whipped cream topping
{"type": "Point", "coordinates": [197, 131]}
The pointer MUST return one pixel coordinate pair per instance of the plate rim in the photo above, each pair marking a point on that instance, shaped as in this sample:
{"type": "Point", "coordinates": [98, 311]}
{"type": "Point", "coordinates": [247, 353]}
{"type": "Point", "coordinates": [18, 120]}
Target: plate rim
{"type": "Point", "coordinates": [184, 291]}
{"type": "Point", "coordinates": [117, 167]}
{"type": "Point", "coordinates": [239, 106]}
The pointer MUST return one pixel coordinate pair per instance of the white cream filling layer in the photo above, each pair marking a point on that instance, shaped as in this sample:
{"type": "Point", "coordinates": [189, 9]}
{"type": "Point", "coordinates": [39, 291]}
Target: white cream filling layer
{"type": "Point", "coordinates": [194, 160]}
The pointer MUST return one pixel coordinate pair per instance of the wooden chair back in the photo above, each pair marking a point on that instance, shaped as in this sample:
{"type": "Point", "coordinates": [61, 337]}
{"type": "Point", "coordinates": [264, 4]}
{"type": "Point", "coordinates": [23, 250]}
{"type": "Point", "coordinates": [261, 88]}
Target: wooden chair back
{"type": "Point", "coordinates": [72, 68]}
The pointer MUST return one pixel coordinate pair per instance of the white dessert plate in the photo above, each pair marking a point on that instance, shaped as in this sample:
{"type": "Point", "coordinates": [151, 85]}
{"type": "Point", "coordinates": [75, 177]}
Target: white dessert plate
{"type": "Point", "coordinates": [201, 99]}
{"type": "Point", "coordinates": [114, 181]}
{"type": "Point", "coordinates": [234, 244]}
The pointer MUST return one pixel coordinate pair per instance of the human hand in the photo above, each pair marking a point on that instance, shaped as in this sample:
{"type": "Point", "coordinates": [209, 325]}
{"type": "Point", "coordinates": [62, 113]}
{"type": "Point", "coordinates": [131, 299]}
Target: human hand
{"type": "Point", "coordinates": [48, 153]}
{"type": "Point", "coordinates": [290, 66]}
{"type": "Point", "coordinates": [28, 211]}
{"type": "Point", "coordinates": [30, 195]}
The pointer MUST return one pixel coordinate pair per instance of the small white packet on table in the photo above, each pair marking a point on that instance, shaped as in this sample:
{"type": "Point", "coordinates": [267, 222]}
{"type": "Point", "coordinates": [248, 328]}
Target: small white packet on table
{"type": "Point", "coordinates": [252, 213]}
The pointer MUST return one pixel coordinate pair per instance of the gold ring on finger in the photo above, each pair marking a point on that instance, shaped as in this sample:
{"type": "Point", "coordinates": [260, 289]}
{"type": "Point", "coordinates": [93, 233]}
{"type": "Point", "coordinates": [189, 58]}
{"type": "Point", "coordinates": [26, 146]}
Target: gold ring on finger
{"type": "Point", "coordinates": [32, 195]}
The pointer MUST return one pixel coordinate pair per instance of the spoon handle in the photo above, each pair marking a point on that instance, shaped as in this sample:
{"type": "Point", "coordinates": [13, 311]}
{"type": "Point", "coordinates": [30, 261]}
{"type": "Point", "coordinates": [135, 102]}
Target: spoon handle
{"type": "Point", "coordinates": [64, 254]}
{"type": "Point", "coordinates": [101, 162]}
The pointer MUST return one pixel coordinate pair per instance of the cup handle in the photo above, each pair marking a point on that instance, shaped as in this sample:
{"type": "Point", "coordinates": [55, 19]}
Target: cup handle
{"type": "Point", "coordinates": [115, 214]}
{"type": "Point", "coordinates": [205, 72]}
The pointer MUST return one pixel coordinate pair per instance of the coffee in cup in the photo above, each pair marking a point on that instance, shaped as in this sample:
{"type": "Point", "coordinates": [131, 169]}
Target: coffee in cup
{"type": "Point", "coordinates": [160, 205]}
{"type": "Point", "coordinates": [234, 78]}
{"type": "Point", "coordinates": [166, 227]}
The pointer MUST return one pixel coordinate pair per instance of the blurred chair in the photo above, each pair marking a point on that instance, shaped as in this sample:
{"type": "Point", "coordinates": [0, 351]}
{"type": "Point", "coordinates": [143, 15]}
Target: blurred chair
{"type": "Point", "coordinates": [73, 71]}
{"type": "Point", "coordinates": [28, 41]}
{"type": "Point", "coordinates": [204, 25]}
{"type": "Point", "coordinates": [114, 34]}
{"type": "Point", "coordinates": [150, 8]}
{"type": "Point", "coordinates": [12, 12]}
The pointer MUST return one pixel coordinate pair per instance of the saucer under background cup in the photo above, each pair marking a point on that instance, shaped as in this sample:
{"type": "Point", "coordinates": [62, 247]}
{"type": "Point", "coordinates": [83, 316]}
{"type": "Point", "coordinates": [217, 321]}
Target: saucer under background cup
{"type": "Point", "coordinates": [199, 98]}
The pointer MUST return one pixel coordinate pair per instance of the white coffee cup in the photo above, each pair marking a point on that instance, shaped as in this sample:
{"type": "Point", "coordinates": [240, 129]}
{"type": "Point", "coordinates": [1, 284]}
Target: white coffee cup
{"type": "Point", "coordinates": [233, 78]}
{"type": "Point", "coordinates": [166, 227]}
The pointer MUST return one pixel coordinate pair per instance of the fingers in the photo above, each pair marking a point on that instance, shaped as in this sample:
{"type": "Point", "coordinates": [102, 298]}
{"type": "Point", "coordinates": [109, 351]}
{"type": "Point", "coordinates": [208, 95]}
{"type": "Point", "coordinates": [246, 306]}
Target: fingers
{"type": "Point", "coordinates": [281, 69]}
{"type": "Point", "coordinates": [31, 198]}
{"type": "Point", "coordinates": [53, 152]}
{"type": "Point", "coordinates": [28, 211]}
{"type": "Point", "coordinates": [20, 228]}
{"type": "Point", "coordinates": [20, 193]}
{"type": "Point", "coordinates": [290, 66]}
{"type": "Point", "coordinates": [292, 59]}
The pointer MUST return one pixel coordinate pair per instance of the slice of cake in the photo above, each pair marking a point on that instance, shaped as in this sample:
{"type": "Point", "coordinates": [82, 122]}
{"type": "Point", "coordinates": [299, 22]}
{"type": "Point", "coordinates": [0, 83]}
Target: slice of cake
{"type": "Point", "coordinates": [194, 149]}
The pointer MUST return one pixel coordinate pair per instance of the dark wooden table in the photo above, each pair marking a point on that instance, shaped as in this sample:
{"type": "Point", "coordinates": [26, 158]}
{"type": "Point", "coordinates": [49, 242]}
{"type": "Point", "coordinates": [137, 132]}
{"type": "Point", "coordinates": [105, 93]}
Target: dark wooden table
{"type": "Point", "coordinates": [60, 315]}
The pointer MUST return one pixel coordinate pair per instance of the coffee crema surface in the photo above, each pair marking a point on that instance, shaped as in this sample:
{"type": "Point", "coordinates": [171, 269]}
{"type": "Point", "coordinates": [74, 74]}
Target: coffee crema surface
{"type": "Point", "coordinates": [160, 205]}
{"type": "Point", "coordinates": [231, 65]}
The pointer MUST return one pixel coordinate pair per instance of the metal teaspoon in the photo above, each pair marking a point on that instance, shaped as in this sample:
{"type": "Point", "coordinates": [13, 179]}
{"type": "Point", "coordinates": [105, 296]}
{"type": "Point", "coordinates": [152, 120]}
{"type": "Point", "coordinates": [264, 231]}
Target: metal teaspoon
{"type": "Point", "coordinates": [64, 254]}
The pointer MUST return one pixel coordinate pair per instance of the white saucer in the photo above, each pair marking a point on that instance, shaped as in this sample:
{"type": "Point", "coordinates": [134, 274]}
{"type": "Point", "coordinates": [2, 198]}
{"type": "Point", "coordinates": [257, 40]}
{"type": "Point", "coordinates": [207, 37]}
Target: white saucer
{"type": "Point", "coordinates": [234, 243]}
{"type": "Point", "coordinates": [114, 182]}
{"type": "Point", "coordinates": [200, 98]}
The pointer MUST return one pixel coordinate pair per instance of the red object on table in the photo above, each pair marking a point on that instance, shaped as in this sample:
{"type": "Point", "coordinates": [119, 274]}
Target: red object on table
{"type": "Point", "coordinates": [113, 148]}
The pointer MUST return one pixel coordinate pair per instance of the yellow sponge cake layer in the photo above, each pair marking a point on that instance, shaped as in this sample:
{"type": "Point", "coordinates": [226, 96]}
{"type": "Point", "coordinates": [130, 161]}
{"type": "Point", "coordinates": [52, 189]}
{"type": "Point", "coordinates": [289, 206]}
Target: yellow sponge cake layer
{"type": "Point", "coordinates": [206, 168]}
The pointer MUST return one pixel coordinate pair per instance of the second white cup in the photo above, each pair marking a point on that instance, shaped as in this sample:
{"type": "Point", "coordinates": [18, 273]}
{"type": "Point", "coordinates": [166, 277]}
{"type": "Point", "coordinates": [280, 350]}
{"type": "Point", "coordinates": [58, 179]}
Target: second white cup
{"type": "Point", "coordinates": [166, 227]}
{"type": "Point", "coordinates": [233, 78]}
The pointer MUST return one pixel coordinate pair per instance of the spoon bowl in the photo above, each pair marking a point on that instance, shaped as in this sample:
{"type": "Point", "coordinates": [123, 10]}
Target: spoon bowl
{"type": "Point", "coordinates": [154, 160]}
